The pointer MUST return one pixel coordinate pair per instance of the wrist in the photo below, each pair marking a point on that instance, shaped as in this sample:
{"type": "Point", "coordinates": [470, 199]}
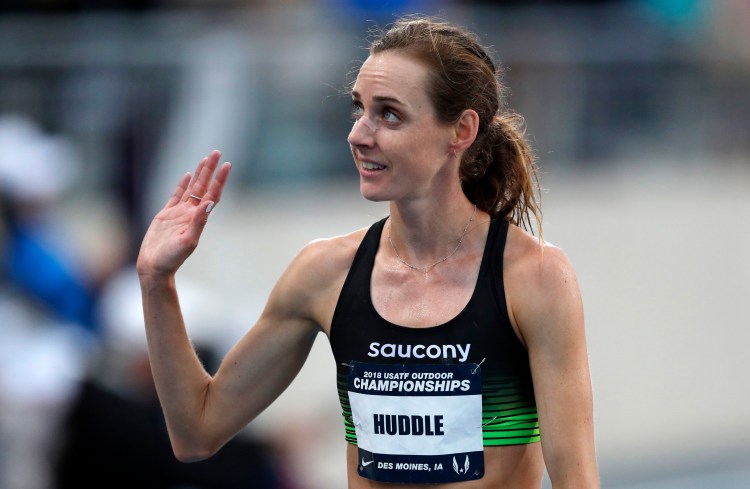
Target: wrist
{"type": "Point", "coordinates": [150, 279]}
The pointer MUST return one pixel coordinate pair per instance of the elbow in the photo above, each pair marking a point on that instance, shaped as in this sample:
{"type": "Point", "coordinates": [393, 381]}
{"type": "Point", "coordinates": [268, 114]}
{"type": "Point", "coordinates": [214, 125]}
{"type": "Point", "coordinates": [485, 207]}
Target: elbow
{"type": "Point", "coordinates": [191, 455]}
{"type": "Point", "coordinates": [575, 478]}
{"type": "Point", "coordinates": [578, 472]}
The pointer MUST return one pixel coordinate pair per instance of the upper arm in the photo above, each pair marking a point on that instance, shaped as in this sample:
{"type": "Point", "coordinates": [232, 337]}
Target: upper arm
{"type": "Point", "coordinates": [548, 312]}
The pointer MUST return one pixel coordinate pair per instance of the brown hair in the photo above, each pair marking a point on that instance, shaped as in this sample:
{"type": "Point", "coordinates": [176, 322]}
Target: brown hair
{"type": "Point", "coordinates": [498, 172]}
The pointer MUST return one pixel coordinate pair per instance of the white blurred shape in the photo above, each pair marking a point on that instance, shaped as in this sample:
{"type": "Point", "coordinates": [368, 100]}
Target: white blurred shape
{"type": "Point", "coordinates": [34, 165]}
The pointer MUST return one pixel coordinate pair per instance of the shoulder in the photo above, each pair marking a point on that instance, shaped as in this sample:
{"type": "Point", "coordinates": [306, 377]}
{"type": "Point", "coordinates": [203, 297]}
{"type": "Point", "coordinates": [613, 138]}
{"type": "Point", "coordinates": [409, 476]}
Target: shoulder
{"type": "Point", "coordinates": [330, 256]}
{"type": "Point", "coordinates": [310, 286]}
{"type": "Point", "coordinates": [541, 285]}
{"type": "Point", "coordinates": [540, 266]}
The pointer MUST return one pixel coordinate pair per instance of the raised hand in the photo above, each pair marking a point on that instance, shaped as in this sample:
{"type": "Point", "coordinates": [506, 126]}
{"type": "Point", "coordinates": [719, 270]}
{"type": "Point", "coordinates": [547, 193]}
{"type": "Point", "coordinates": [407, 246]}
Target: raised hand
{"type": "Point", "coordinates": [175, 231]}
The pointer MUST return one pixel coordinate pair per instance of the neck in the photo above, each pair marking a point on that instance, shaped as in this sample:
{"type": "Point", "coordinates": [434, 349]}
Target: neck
{"type": "Point", "coordinates": [421, 239]}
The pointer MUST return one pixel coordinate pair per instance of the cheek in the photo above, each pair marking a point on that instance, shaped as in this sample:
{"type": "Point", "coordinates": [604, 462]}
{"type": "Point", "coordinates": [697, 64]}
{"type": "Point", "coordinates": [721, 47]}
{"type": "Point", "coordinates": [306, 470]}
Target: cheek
{"type": "Point", "coordinates": [429, 145]}
{"type": "Point", "coordinates": [413, 142]}
{"type": "Point", "coordinates": [417, 148]}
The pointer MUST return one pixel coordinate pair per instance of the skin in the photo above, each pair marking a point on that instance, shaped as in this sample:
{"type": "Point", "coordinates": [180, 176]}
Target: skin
{"type": "Point", "coordinates": [410, 160]}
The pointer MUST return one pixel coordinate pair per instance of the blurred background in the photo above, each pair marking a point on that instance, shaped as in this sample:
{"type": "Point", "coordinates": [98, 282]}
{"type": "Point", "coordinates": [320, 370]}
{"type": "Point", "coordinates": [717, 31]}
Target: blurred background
{"type": "Point", "coordinates": [638, 110]}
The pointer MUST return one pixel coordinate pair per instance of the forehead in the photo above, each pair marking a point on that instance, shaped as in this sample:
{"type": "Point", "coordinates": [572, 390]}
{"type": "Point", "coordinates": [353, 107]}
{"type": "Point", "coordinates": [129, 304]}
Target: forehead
{"type": "Point", "coordinates": [392, 74]}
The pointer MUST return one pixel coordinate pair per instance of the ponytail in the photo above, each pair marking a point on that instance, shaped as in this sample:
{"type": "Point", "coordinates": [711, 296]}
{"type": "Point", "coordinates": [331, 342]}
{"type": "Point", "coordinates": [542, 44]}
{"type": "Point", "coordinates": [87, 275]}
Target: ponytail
{"type": "Point", "coordinates": [499, 173]}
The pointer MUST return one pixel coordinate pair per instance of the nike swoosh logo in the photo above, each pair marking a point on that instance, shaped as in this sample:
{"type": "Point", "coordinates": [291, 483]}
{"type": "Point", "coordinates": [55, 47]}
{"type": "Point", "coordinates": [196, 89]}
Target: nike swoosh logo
{"type": "Point", "coordinates": [365, 464]}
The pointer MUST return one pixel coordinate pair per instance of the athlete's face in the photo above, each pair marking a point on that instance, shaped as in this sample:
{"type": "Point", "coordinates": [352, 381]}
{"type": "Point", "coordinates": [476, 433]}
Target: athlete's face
{"type": "Point", "coordinates": [399, 146]}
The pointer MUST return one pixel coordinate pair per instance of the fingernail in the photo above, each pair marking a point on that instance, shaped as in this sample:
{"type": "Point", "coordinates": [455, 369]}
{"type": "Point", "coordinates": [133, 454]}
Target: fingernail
{"type": "Point", "coordinates": [209, 207]}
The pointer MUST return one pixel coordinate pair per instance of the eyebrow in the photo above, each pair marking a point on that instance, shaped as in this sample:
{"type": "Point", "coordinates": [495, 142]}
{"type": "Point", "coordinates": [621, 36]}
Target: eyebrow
{"type": "Point", "coordinates": [380, 99]}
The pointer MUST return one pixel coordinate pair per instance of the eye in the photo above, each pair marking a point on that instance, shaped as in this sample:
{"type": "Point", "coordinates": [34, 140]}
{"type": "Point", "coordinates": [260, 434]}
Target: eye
{"type": "Point", "coordinates": [357, 110]}
{"type": "Point", "coordinates": [390, 116]}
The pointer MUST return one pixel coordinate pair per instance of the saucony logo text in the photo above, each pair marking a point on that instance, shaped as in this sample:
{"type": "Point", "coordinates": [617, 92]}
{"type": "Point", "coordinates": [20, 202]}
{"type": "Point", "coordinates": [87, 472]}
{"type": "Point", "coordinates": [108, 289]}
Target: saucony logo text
{"type": "Point", "coordinates": [392, 350]}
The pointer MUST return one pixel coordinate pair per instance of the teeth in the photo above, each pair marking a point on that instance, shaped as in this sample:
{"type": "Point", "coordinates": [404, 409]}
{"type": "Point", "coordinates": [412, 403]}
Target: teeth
{"type": "Point", "coordinates": [371, 166]}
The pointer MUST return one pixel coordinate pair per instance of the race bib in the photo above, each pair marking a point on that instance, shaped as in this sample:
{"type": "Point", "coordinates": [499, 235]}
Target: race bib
{"type": "Point", "coordinates": [417, 423]}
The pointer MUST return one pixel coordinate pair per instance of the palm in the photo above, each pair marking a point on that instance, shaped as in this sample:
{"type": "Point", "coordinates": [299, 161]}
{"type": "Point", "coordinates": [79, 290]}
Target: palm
{"type": "Point", "coordinates": [175, 231]}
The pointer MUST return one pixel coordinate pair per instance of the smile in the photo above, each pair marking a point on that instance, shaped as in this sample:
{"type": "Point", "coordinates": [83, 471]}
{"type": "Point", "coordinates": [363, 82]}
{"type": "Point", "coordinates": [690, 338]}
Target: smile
{"type": "Point", "coordinates": [372, 166]}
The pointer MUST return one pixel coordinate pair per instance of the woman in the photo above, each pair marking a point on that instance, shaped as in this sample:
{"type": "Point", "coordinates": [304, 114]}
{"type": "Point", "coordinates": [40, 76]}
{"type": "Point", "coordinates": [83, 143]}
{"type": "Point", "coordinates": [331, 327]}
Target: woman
{"type": "Point", "coordinates": [458, 335]}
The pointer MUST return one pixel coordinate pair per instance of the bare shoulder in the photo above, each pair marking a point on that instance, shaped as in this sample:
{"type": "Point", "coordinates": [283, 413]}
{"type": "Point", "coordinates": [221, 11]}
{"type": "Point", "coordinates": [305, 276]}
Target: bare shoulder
{"type": "Point", "coordinates": [534, 263]}
{"type": "Point", "coordinates": [311, 284]}
{"type": "Point", "coordinates": [541, 284]}
{"type": "Point", "coordinates": [328, 258]}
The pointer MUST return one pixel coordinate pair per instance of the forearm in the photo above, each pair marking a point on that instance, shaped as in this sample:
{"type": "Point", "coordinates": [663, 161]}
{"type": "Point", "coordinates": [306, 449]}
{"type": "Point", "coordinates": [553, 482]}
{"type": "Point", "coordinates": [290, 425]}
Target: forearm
{"type": "Point", "coordinates": [181, 381]}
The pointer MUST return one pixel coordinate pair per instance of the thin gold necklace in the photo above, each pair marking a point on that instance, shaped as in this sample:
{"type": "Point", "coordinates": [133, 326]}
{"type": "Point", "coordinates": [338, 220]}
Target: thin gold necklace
{"type": "Point", "coordinates": [426, 269]}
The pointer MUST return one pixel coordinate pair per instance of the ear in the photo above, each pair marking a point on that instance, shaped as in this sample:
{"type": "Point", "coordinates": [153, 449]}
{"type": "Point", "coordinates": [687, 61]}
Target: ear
{"type": "Point", "coordinates": [465, 130]}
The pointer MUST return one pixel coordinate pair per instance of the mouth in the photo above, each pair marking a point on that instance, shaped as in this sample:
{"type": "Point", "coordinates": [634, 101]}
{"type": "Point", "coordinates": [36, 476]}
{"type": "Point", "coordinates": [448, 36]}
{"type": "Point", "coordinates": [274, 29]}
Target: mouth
{"type": "Point", "coordinates": [370, 166]}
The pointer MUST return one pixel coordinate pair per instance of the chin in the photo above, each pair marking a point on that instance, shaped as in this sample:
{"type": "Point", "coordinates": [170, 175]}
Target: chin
{"type": "Point", "coordinates": [373, 194]}
{"type": "Point", "coordinates": [374, 197]}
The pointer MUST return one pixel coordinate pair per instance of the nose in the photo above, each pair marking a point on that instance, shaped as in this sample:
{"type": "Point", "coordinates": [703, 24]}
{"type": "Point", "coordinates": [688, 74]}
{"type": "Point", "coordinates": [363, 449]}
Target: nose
{"type": "Point", "coordinates": [363, 132]}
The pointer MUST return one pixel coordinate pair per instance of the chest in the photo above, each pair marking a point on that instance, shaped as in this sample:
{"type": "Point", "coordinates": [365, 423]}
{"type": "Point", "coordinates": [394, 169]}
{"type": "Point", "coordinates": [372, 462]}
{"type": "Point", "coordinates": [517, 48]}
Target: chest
{"type": "Point", "coordinates": [412, 298]}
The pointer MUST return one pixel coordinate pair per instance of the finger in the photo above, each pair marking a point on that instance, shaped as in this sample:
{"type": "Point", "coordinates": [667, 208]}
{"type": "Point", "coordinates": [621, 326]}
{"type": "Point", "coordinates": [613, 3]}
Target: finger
{"type": "Point", "coordinates": [200, 218]}
{"type": "Point", "coordinates": [200, 183]}
{"type": "Point", "coordinates": [218, 183]}
{"type": "Point", "coordinates": [179, 191]}
{"type": "Point", "coordinates": [188, 189]}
